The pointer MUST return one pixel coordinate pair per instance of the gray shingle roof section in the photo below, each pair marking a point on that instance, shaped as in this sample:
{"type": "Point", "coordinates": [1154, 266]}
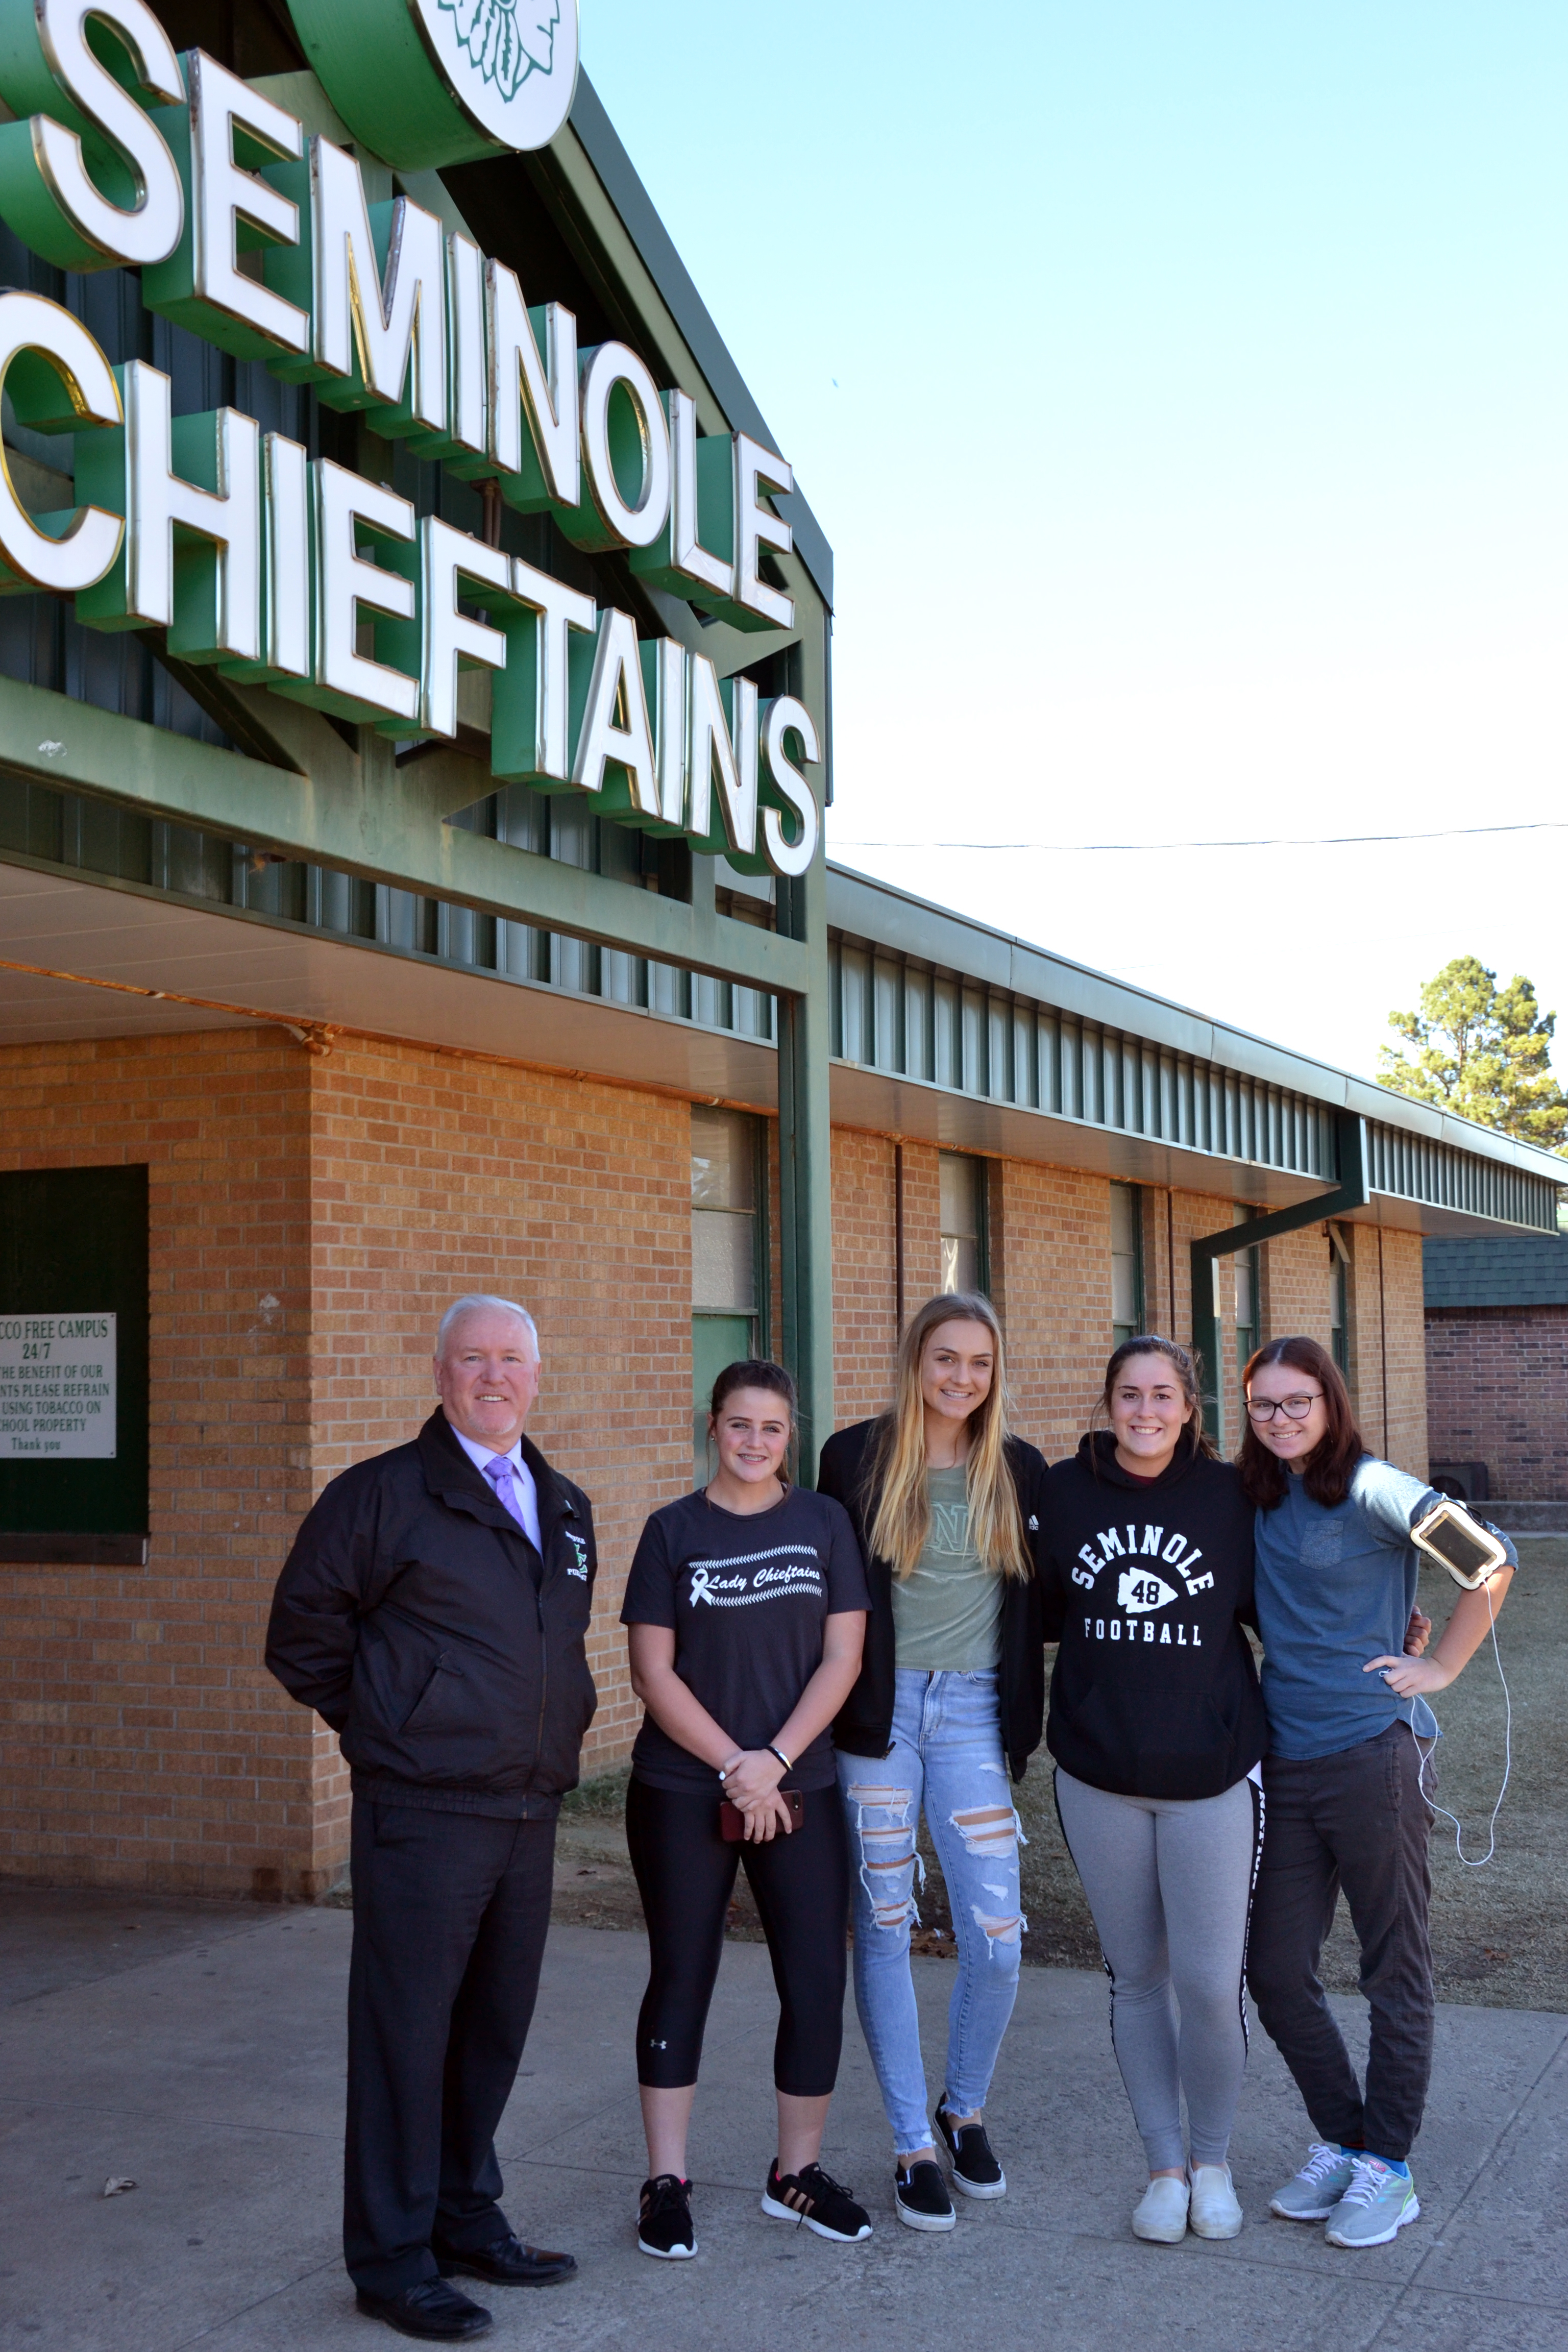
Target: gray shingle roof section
{"type": "Point", "coordinates": [1528, 1271]}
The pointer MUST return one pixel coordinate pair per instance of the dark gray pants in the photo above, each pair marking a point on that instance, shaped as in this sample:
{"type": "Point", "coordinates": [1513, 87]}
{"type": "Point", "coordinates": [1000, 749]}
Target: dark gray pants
{"type": "Point", "coordinates": [1359, 1821]}
{"type": "Point", "coordinates": [450, 1918]}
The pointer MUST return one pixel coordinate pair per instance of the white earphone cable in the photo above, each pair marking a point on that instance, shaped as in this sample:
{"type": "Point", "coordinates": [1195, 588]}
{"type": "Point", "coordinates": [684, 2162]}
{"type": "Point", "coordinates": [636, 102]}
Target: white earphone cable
{"type": "Point", "coordinates": [1480, 1861]}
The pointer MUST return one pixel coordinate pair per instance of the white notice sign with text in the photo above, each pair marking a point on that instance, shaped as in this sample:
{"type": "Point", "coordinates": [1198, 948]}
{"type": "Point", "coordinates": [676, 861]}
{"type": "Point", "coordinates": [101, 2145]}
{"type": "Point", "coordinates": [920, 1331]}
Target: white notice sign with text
{"type": "Point", "coordinates": [57, 1388]}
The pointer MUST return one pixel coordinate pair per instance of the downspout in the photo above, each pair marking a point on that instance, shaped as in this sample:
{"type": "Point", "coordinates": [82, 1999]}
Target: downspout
{"type": "Point", "coordinates": [1352, 1192]}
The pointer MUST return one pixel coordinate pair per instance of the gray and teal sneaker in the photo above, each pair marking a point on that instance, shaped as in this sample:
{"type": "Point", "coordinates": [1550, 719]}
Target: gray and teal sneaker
{"type": "Point", "coordinates": [1317, 2188]}
{"type": "Point", "coordinates": [1374, 2208]}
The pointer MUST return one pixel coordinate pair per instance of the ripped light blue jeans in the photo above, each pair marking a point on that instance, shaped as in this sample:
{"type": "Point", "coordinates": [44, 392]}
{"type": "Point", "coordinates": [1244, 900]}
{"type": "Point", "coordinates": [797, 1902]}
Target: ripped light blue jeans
{"type": "Point", "coordinates": [946, 1754]}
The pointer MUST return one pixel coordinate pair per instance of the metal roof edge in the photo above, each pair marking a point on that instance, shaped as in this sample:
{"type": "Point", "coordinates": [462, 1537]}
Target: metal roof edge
{"type": "Point", "coordinates": [865, 904]}
{"type": "Point", "coordinates": [618, 175]}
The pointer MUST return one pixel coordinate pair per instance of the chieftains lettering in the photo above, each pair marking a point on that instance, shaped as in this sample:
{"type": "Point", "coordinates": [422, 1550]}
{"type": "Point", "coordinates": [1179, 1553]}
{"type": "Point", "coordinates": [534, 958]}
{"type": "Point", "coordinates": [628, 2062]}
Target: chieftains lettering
{"type": "Point", "coordinates": [267, 563]}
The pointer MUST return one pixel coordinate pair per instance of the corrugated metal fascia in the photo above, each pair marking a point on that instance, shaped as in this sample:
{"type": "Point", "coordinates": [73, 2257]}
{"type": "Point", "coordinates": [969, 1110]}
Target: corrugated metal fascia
{"type": "Point", "coordinates": [884, 915]}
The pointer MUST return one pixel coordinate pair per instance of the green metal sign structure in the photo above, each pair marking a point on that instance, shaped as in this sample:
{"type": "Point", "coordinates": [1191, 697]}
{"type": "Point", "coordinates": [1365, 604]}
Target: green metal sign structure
{"type": "Point", "coordinates": [662, 651]}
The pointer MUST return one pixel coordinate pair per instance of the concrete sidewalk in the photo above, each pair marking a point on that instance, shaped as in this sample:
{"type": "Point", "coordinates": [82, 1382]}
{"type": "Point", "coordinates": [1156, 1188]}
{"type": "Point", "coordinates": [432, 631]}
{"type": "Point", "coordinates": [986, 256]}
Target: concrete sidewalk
{"type": "Point", "coordinates": [199, 2048]}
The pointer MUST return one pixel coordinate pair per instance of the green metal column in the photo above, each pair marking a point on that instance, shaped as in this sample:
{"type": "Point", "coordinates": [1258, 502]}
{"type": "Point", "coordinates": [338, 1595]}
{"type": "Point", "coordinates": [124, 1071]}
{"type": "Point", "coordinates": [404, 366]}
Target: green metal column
{"type": "Point", "coordinates": [805, 1175]}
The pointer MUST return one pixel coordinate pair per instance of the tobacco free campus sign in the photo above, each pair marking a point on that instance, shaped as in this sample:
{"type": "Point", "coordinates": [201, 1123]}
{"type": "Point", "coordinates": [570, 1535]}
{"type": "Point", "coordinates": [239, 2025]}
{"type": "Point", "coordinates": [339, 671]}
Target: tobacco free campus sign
{"type": "Point", "coordinates": [425, 82]}
{"type": "Point", "coordinates": [300, 575]}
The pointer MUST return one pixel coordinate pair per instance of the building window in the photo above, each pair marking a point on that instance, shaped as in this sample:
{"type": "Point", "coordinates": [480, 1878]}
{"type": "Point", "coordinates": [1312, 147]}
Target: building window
{"type": "Point", "coordinates": [728, 1255]}
{"type": "Point", "coordinates": [1339, 1305]}
{"type": "Point", "coordinates": [1248, 1304]}
{"type": "Point", "coordinates": [964, 1255]}
{"type": "Point", "coordinates": [1126, 1263]}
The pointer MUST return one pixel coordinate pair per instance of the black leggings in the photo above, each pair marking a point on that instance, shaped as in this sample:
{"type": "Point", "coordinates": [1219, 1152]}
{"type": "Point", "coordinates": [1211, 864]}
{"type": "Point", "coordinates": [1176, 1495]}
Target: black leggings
{"type": "Point", "coordinates": [686, 1876]}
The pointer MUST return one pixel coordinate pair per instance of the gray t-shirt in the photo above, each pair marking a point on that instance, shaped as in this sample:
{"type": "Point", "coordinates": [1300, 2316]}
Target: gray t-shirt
{"type": "Point", "coordinates": [947, 1612]}
{"type": "Point", "coordinates": [1333, 1589]}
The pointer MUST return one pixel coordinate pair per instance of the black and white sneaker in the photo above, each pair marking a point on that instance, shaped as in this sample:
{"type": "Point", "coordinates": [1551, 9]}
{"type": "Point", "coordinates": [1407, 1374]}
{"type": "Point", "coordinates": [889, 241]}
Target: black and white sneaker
{"type": "Point", "coordinates": [975, 2171]}
{"type": "Point", "coordinates": [824, 2205]}
{"type": "Point", "coordinates": [664, 2219]}
{"type": "Point", "coordinates": [921, 2198]}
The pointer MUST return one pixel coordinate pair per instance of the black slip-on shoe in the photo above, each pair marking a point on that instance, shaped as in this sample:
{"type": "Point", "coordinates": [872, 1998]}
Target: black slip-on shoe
{"type": "Point", "coordinates": [809, 2196]}
{"type": "Point", "coordinates": [431, 2309]}
{"type": "Point", "coordinates": [507, 2262]}
{"type": "Point", "coordinates": [664, 2219]}
{"type": "Point", "coordinates": [975, 2171]}
{"type": "Point", "coordinates": [921, 2198]}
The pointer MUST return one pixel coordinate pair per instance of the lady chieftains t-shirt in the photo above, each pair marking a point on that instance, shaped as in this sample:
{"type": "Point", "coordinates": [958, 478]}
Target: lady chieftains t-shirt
{"type": "Point", "coordinates": [747, 1597]}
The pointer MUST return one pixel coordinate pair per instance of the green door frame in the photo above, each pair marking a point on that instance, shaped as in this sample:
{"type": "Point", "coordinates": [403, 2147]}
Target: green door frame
{"type": "Point", "coordinates": [1352, 1192]}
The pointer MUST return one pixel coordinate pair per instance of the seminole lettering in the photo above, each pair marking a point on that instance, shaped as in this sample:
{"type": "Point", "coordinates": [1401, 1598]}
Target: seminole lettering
{"type": "Point", "coordinates": [268, 564]}
{"type": "Point", "coordinates": [1147, 1542]}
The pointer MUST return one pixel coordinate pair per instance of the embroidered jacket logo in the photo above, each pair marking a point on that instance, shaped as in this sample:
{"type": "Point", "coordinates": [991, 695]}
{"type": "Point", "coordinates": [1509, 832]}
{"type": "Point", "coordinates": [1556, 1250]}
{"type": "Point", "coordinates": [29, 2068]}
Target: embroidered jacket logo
{"type": "Point", "coordinates": [580, 1564]}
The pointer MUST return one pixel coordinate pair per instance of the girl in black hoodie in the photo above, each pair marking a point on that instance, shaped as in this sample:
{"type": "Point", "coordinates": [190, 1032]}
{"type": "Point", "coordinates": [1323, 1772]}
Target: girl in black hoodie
{"type": "Point", "coordinates": [1156, 1723]}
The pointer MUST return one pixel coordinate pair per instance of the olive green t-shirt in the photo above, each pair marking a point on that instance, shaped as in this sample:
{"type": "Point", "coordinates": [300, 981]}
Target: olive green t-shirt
{"type": "Point", "coordinates": [947, 1612]}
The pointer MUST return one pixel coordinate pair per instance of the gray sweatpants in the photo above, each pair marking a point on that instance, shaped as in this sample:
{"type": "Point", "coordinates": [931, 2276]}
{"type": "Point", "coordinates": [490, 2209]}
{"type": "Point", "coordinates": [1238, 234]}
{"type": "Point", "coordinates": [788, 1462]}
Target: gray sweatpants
{"type": "Point", "coordinates": [1169, 1883]}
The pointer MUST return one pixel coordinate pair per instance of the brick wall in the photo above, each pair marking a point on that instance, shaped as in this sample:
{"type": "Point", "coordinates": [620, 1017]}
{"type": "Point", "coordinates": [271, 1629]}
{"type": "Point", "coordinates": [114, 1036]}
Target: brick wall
{"type": "Point", "coordinates": [922, 1228]}
{"type": "Point", "coordinates": [1180, 1219]}
{"type": "Point", "coordinates": [1497, 1392]}
{"type": "Point", "coordinates": [144, 1743]}
{"type": "Point", "coordinates": [1050, 1261]}
{"type": "Point", "coordinates": [865, 1332]}
{"type": "Point", "coordinates": [1297, 1295]}
{"type": "Point", "coordinates": [865, 1262]}
{"type": "Point", "coordinates": [310, 1218]}
{"type": "Point", "coordinates": [1387, 1349]}
{"type": "Point", "coordinates": [434, 1175]}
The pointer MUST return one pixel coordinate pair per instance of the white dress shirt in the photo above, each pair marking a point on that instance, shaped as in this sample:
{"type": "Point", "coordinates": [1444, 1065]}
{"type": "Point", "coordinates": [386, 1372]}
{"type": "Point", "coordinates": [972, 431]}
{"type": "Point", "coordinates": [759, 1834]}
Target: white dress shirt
{"type": "Point", "coordinates": [527, 1493]}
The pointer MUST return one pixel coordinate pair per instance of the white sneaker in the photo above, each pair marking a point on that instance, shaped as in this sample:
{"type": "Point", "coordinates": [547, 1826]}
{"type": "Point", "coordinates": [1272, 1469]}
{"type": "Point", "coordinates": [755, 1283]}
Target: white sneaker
{"type": "Point", "coordinates": [1316, 2189]}
{"type": "Point", "coordinates": [1374, 2208]}
{"type": "Point", "coordinates": [1214, 2210]}
{"type": "Point", "coordinates": [1161, 2213]}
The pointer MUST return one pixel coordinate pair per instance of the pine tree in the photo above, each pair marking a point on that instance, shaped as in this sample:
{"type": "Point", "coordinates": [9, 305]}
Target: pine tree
{"type": "Point", "coordinates": [1482, 1051]}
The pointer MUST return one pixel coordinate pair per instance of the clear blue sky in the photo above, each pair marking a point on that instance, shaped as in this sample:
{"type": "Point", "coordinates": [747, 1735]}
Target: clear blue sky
{"type": "Point", "coordinates": [1184, 391]}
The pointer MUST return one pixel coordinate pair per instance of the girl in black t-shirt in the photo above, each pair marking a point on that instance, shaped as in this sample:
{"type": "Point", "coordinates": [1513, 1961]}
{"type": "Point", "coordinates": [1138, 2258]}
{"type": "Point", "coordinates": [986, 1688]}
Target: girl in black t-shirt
{"type": "Point", "coordinates": [746, 1609]}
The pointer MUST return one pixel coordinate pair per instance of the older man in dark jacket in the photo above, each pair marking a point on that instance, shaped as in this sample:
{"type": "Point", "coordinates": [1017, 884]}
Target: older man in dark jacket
{"type": "Point", "coordinates": [433, 1609]}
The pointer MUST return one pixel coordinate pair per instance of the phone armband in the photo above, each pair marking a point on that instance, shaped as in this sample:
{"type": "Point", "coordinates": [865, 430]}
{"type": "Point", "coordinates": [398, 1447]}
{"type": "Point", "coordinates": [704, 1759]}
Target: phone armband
{"type": "Point", "coordinates": [1469, 1552]}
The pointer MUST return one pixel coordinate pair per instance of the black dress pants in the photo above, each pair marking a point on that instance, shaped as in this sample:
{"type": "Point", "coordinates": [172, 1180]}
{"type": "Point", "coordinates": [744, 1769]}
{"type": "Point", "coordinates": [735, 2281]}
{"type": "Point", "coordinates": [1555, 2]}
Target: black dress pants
{"type": "Point", "coordinates": [450, 1916]}
{"type": "Point", "coordinates": [1358, 1819]}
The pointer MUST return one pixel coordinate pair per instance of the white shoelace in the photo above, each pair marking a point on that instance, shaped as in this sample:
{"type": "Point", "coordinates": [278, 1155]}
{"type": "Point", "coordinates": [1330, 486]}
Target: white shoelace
{"type": "Point", "coordinates": [1323, 2160]}
{"type": "Point", "coordinates": [1365, 2185]}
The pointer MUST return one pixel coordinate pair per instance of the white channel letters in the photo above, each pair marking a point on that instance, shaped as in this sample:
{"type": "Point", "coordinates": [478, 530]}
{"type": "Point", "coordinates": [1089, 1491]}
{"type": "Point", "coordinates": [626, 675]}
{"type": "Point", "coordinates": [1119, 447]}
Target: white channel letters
{"type": "Point", "coordinates": [227, 538]}
{"type": "Point", "coordinates": [1142, 1593]}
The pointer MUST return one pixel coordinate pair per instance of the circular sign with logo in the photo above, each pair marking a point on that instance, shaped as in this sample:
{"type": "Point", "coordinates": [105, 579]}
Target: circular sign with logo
{"type": "Point", "coordinates": [423, 83]}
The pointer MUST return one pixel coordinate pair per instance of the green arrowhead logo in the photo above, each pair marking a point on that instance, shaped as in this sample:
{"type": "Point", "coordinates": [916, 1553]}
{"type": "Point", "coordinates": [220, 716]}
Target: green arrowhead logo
{"type": "Point", "coordinates": [507, 39]}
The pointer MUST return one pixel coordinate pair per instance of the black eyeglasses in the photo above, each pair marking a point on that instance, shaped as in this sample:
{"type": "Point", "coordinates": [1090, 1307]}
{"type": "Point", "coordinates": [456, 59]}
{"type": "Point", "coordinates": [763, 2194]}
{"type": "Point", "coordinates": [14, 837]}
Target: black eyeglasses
{"type": "Point", "coordinates": [1295, 1408]}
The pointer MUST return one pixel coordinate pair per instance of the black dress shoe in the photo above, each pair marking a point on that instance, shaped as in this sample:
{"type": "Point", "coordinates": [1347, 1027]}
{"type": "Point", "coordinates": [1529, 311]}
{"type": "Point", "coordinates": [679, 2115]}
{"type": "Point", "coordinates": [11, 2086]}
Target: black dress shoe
{"type": "Point", "coordinates": [439, 2313]}
{"type": "Point", "coordinates": [509, 2263]}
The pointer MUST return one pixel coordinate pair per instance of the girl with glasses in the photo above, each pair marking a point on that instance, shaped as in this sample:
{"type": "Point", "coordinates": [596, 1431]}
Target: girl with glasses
{"type": "Point", "coordinates": [746, 1608]}
{"type": "Point", "coordinates": [1156, 1726]}
{"type": "Point", "coordinates": [946, 1503]}
{"type": "Point", "coordinates": [1346, 1777]}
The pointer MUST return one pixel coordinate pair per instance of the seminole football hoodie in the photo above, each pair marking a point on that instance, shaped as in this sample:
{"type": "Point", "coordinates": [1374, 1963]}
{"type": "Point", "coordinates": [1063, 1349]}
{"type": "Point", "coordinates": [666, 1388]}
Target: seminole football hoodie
{"type": "Point", "coordinates": [1148, 1584]}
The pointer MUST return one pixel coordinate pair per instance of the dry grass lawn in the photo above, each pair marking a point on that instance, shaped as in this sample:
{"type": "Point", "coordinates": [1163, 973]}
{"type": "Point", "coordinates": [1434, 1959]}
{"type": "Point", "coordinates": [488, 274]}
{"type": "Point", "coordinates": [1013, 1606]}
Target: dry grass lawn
{"type": "Point", "coordinates": [1498, 1932]}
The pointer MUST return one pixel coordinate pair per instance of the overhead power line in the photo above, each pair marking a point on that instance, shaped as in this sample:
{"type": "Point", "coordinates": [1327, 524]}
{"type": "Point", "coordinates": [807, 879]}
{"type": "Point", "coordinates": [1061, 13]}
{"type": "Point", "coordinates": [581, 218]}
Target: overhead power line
{"type": "Point", "coordinates": [1268, 841]}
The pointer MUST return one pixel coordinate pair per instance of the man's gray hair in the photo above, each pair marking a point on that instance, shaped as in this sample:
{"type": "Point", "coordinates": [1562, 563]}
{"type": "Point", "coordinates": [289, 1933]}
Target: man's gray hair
{"type": "Point", "coordinates": [481, 1302]}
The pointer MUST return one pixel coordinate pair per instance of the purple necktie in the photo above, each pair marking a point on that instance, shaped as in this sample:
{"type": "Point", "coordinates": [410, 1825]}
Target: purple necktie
{"type": "Point", "coordinates": [500, 1473]}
